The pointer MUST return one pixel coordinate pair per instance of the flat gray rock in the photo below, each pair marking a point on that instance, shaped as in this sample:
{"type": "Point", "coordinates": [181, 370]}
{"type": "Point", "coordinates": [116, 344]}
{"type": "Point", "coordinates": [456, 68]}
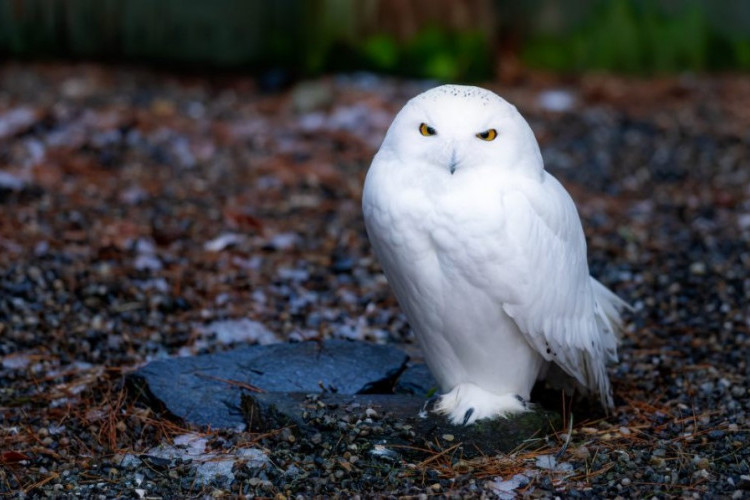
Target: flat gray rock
{"type": "Point", "coordinates": [205, 390]}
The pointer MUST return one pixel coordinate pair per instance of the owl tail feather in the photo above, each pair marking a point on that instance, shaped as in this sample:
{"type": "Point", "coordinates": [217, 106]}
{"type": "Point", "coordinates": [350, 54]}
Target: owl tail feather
{"type": "Point", "coordinates": [608, 309]}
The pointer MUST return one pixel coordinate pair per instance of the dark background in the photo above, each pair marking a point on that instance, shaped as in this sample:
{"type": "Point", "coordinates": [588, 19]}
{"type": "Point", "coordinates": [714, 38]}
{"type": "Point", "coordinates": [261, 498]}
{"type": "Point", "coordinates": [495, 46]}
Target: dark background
{"type": "Point", "coordinates": [465, 39]}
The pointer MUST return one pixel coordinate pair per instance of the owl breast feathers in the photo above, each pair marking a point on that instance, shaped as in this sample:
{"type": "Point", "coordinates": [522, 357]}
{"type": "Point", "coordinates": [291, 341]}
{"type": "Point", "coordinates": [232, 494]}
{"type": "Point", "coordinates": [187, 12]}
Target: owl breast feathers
{"type": "Point", "coordinates": [486, 255]}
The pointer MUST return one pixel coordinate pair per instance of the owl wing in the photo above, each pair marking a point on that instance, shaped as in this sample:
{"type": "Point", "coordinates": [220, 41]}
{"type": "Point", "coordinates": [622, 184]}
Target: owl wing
{"type": "Point", "coordinates": [564, 313]}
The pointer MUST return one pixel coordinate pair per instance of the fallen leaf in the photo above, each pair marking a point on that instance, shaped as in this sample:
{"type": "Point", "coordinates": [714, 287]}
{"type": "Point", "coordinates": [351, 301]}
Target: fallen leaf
{"type": "Point", "coordinates": [12, 457]}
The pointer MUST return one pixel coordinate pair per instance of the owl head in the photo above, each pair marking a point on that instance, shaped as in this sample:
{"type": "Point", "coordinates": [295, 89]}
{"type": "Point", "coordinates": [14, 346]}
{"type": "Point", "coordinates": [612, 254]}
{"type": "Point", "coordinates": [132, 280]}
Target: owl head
{"type": "Point", "coordinates": [457, 128]}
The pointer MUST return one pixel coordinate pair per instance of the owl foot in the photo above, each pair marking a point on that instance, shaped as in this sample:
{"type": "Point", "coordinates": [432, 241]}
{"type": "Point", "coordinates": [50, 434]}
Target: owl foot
{"type": "Point", "coordinates": [428, 406]}
{"type": "Point", "coordinates": [467, 403]}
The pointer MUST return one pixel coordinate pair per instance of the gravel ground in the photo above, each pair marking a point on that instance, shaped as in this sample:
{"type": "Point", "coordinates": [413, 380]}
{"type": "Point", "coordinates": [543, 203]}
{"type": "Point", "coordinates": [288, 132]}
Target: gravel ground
{"type": "Point", "coordinates": [137, 207]}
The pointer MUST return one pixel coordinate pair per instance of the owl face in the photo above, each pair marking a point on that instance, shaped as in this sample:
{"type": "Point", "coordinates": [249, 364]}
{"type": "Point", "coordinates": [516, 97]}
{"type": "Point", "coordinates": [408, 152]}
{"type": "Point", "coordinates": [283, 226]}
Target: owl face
{"type": "Point", "coordinates": [457, 129]}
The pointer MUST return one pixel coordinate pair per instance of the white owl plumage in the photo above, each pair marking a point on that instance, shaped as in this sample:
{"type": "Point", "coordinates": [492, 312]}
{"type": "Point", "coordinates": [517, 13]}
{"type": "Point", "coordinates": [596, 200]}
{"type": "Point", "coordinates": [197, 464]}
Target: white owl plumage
{"type": "Point", "coordinates": [486, 255]}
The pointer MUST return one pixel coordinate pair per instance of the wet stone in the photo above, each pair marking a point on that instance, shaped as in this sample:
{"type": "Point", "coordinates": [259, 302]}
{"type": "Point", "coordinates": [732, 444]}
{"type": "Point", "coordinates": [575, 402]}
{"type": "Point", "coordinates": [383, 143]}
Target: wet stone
{"type": "Point", "coordinates": [205, 390]}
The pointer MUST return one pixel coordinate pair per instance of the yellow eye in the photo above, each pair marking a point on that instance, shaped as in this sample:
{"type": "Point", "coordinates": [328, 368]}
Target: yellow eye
{"type": "Point", "coordinates": [488, 135]}
{"type": "Point", "coordinates": [426, 130]}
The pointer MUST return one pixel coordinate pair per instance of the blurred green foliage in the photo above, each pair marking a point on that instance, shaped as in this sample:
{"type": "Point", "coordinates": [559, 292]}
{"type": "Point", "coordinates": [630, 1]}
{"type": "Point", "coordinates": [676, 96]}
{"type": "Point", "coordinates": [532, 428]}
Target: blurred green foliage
{"type": "Point", "coordinates": [643, 37]}
{"type": "Point", "coordinates": [311, 36]}
{"type": "Point", "coordinates": [432, 52]}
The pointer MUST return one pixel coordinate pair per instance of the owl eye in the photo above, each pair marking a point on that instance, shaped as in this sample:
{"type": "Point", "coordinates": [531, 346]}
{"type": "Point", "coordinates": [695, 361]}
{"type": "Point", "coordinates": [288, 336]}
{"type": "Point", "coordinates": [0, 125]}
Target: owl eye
{"type": "Point", "coordinates": [488, 135]}
{"type": "Point", "coordinates": [426, 130]}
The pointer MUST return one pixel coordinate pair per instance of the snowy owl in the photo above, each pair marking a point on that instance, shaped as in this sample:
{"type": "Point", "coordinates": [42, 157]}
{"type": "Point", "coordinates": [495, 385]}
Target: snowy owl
{"type": "Point", "coordinates": [486, 255]}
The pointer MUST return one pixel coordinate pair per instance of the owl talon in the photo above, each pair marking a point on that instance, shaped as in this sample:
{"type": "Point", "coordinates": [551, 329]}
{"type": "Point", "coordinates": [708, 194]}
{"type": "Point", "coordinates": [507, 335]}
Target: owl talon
{"type": "Point", "coordinates": [468, 415]}
{"type": "Point", "coordinates": [522, 401]}
{"type": "Point", "coordinates": [429, 406]}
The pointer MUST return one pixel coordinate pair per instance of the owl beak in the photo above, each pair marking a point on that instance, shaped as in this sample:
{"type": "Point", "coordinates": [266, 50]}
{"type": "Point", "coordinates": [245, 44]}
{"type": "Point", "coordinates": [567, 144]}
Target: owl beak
{"type": "Point", "coordinates": [453, 163]}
